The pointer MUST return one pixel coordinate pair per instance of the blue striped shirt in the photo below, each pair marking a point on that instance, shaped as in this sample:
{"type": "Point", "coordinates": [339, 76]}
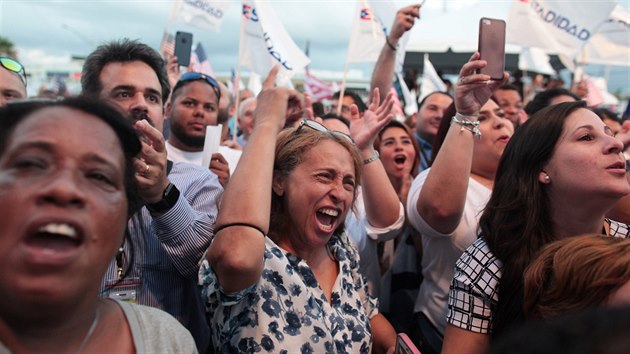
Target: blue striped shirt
{"type": "Point", "coordinates": [167, 249]}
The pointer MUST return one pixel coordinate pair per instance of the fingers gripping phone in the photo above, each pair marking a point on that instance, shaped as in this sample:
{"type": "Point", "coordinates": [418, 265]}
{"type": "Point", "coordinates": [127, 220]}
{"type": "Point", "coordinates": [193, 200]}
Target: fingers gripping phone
{"type": "Point", "coordinates": [404, 345]}
{"type": "Point", "coordinates": [492, 47]}
{"type": "Point", "coordinates": [183, 46]}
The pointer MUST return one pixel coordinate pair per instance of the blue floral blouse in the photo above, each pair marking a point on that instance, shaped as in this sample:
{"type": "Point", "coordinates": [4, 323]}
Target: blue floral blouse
{"type": "Point", "coordinates": [287, 311]}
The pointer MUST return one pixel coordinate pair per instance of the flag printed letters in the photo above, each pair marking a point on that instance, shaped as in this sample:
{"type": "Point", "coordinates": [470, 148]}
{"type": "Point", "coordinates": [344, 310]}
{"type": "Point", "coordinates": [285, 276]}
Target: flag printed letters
{"type": "Point", "coordinates": [556, 26]}
{"type": "Point", "coordinates": [265, 42]}
{"type": "Point", "coordinates": [204, 14]}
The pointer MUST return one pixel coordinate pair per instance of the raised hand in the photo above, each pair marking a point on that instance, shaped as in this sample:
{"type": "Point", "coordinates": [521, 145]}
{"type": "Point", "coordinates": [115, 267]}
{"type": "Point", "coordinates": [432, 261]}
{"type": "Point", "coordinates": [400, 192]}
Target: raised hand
{"type": "Point", "coordinates": [364, 130]}
{"type": "Point", "coordinates": [473, 90]}
{"type": "Point", "coordinates": [151, 164]}
{"type": "Point", "coordinates": [403, 22]}
{"type": "Point", "coordinates": [219, 166]}
{"type": "Point", "coordinates": [172, 70]}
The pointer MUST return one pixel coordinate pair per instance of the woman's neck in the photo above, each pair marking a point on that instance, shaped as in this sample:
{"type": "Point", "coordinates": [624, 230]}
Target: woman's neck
{"type": "Point", "coordinates": [571, 219]}
{"type": "Point", "coordinates": [54, 328]}
{"type": "Point", "coordinates": [397, 182]}
{"type": "Point", "coordinates": [485, 181]}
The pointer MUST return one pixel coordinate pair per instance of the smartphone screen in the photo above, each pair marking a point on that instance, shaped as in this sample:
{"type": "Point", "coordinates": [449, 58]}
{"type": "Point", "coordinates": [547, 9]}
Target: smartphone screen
{"type": "Point", "coordinates": [183, 46]}
{"type": "Point", "coordinates": [492, 46]}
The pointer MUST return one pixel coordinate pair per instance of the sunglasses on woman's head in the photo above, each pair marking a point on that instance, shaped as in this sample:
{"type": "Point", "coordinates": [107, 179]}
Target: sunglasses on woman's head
{"type": "Point", "coordinates": [320, 128]}
{"type": "Point", "coordinates": [14, 66]}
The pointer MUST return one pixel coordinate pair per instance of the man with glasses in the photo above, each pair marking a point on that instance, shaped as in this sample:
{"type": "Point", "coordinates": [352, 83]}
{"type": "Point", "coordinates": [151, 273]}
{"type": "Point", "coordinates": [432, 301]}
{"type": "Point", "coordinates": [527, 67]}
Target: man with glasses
{"type": "Point", "coordinates": [171, 233]}
{"type": "Point", "coordinates": [12, 80]}
{"type": "Point", "coordinates": [194, 105]}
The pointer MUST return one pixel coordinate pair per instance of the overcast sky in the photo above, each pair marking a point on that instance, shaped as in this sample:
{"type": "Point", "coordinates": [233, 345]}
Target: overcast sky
{"type": "Point", "coordinates": [48, 32]}
{"type": "Point", "coordinates": [51, 31]}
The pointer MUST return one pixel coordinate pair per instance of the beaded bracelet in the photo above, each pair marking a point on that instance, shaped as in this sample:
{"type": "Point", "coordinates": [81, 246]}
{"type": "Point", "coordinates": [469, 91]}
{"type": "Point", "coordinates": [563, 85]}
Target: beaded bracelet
{"type": "Point", "coordinates": [467, 124]}
{"type": "Point", "coordinates": [375, 156]}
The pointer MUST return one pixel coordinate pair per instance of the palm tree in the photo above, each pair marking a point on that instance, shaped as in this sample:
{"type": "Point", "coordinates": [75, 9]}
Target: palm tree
{"type": "Point", "coordinates": [7, 48]}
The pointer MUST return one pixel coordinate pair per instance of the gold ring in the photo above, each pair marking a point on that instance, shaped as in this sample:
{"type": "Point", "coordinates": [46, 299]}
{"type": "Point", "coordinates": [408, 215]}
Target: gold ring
{"type": "Point", "coordinates": [146, 170]}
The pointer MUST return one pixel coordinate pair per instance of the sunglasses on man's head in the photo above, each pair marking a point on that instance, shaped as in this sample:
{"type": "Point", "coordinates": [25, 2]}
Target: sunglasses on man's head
{"type": "Point", "coordinates": [320, 128]}
{"type": "Point", "coordinates": [193, 76]}
{"type": "Point", "coordinates": [14, 66]}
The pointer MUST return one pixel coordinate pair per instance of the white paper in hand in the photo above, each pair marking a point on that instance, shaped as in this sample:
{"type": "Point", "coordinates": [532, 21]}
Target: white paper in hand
{"type": "Point", "coordinates": [211, 144]}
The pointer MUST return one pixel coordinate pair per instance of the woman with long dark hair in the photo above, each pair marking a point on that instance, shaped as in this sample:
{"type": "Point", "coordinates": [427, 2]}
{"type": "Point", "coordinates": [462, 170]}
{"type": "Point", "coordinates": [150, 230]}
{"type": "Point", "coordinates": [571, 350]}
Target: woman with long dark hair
{"type": "Point", "coordinates": [559, 175]}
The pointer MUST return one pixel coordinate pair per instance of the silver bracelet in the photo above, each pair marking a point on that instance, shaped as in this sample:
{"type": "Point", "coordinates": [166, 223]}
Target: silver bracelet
{"type": "Point", "coordinates": [374, 157]}
{"type": "Point", "coordinates": [467, 124]}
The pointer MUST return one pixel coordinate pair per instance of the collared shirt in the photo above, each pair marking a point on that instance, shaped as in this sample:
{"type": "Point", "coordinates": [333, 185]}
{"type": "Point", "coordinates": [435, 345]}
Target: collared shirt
{"type": "Point", "coordinates": [473, 297]}
{"type": "Point", "coordinates": [167, 250]}
{"type": "Point", "coordinates": [425, 152]}
{"type": "Point", "coordinates": [241, 141]}
{"type": "Point", "coordinates": [286, 310]}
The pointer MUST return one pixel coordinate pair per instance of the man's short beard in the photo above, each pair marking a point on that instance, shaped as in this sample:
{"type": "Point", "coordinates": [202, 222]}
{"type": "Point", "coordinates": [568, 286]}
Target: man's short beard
{"type": "Point", "coordinates": [195, 142]}
{"type": "Point", "coordinates": [136, 116]}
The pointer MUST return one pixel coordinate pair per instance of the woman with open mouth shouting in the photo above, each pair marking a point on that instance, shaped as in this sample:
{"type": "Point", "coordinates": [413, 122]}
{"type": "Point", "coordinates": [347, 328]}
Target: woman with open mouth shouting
{"type": "Point", "coordinates": [67, 190]}
{"type": "Point", "coordinates": [280, 274]}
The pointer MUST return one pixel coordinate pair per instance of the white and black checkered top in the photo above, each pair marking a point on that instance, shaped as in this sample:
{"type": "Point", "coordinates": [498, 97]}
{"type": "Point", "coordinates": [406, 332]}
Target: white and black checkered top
{"type": "Point", "coordinates": [473, 294]}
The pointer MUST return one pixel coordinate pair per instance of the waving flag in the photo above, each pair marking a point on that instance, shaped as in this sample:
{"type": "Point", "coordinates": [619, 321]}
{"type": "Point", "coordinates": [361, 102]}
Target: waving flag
{"type": "Point", "coordinates": [316, 88]}
{"type": "Point", "coordinates": [367, 37]}
{"type": "Point", "coordinates": [167, 46]}
{"type": "Point", "coordinates": [556, 26]}
{"type": "Point", "coordinates": [199, 61]}
{"type": "Point", "coordinates": [204, 14]}
{"type": "Point", "coordinates": [431, 81]}
{"type": "Point", "coordinates": [610, 45]}
{"type": "Point", "coordinates": [265, 42]}
{"type": "Point", "coordinates": [371, 24]}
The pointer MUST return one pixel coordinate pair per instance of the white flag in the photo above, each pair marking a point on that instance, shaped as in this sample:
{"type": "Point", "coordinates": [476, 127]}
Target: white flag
{"type": "Point", "coordinates": [431, 81]}
{"type": "Point", "coordinates": [205, 14]}
{"type": "Point", "coordinates": [367, 37]}
{"type": "Point", "coordinates": [371, 24]}
{"type": "Point", "coordinates": [556, 26]}
{"type": "Point", "coordinates": [610, 45]}
{"type": "Point", "coordinates": [536, 60]}
{"type": "Point", "coordinates": [254, 84]}
{"type": "Point", "coordinates": [265, 42]}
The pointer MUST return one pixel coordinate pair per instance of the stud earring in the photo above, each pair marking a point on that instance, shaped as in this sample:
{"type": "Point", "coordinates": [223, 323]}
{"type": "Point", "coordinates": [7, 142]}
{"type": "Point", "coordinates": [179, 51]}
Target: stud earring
{"type": "Point", "coordinates": [547, 179]}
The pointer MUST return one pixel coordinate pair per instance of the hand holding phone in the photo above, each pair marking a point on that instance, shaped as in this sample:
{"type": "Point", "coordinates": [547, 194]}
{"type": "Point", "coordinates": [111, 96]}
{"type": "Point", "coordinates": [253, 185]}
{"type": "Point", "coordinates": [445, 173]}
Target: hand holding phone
{"type": "Point", "coordinates": [404, 345]}
{"type": "Point", "coordinates": [183, 46]}
{"type": "Point", "coordinates": [492, 47]}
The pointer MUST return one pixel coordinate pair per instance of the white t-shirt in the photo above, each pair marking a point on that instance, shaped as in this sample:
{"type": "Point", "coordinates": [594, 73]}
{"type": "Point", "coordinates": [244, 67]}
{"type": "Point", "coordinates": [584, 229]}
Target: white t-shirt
{"type": "Point", "coordinates": [365, 237]}
{"type": "Point", "coordinates": [232, 156]}
{"type": "Point", "coordinates": [441, 251]}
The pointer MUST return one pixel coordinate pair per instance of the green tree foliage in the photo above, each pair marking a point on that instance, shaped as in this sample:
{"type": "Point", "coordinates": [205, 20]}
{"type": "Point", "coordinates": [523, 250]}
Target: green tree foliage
{"type": "Point", "coordinates": [7, 48]}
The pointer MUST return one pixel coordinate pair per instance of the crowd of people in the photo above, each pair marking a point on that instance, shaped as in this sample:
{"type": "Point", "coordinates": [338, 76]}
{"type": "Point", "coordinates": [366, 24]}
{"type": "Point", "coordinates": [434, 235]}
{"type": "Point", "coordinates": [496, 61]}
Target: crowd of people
{"type": "Point", "coordinates": [461, 225]}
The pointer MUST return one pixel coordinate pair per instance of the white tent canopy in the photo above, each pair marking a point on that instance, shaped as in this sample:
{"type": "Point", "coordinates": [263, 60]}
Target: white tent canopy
{"type": "Point", "coordinates": [458, 30]}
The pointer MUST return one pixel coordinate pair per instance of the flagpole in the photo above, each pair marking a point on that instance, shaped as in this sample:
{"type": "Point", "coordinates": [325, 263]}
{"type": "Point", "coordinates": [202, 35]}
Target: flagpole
{"type": "Point", "coordinates": [346, 64]}
{"type": "Point", "coordinates": [238, 78]}
{"type": "Point", "coordinates": [343, 88]}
